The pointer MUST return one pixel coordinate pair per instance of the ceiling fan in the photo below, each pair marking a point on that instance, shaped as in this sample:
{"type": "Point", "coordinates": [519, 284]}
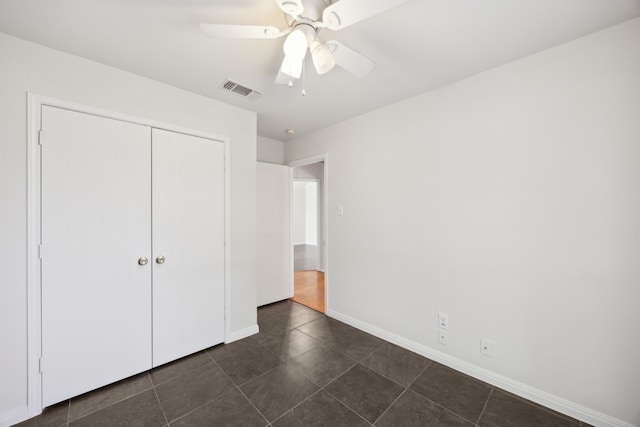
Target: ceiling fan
{"type": "Point", "coordinates": [305, 18]}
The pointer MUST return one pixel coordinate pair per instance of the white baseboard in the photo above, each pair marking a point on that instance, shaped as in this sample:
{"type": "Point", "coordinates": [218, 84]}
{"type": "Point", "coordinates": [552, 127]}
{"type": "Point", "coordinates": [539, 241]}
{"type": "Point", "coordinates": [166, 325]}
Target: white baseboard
{"type": "Point", "coordinates": [18, 415]}
{"type": "Point", "coordinates": [242, 333]}
{"type": "Point", "coordinates": [549, 400]}
{"type": "Point", "coordinates": [15, 416]}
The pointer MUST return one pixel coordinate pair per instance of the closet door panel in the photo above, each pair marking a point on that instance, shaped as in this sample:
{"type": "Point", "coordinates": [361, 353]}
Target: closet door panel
{"type": "Point", "coordinates": [188, 233]}
{"type": "Point", "coordinates": [273, 245]}
{"type": "Point", "coordinates": [96, 311]}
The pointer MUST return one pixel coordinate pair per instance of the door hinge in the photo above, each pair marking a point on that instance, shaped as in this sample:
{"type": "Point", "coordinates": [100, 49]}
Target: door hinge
{"type": "Point", "coordinates": [40, 137]}
{"type": "Point", "coordinates": [40, 252]}
{"type": "Point", "coordinates": [40, 365]}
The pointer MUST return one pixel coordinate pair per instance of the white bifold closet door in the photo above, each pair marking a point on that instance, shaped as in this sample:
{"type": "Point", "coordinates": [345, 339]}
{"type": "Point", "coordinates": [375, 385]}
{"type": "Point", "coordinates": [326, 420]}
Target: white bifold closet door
{"type": "Point", "coordinates": [96, 298]}
{"type": "Point", "coordinates": [188, 232]}
{"type": "Point", "coordinates": [115, 194]}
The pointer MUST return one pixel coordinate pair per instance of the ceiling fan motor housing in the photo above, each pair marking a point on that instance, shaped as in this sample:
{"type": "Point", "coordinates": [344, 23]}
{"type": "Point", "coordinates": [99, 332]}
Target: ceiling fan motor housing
{"type": "Point", "coordinates": [313, 9]}
{"type": "Point", "coordinates": [308, 30]}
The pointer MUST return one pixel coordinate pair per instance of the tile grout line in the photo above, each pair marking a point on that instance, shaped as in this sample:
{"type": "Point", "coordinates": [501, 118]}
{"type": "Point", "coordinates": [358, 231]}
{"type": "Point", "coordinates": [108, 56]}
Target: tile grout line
{"type": "Point", "coordinates": [356, 362]}
{"type": "Point", "coordinates": [288, 363]}
{"type": "Point", "coordinates": [297, 404]}
{"type": "Point", "coordinates": [485, 406]}
{"type": "Point", "coordinates": [444, 408]}
{"type": "Point", "coordinates": [158, 399]}
{"type": "Point", "coordinates": [539, 406]}
{"type": "Point", "coordinates": [198, 407]}
{"type": "Point", "coordinates": [406, 388]}
{"type": "Point", "coordinates": [68, 411]}
{"type": "Point", "coordinates": [212, 362]}
{"type": "Point", "coordinates": [392, 403]}
{"type": "Point", "coordinates": [347, 406]}
{"type": "Point", "coordinates": [241, 392]}
{"type": "Point", "coordinates": [394, 381]}
{"type": "Point", "coordinates": [237, 386]}
{"type": "Point", "coordinates": [69, 420]}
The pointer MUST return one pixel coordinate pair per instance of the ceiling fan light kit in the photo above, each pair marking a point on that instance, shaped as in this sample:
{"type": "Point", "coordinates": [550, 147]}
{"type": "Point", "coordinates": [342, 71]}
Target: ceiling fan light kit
{"type": "Point", "coordinates": [292, 66]}
{"type": "Point", "coordinates": [306, 18]}
{"type": "Point", "coordinates": [323, 61]}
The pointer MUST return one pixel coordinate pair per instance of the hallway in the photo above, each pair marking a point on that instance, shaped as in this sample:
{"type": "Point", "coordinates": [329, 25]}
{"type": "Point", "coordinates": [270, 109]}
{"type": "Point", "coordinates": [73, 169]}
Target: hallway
{"type": "Point", "coordinates": [309, 289]}
{"type": "Point", "coordinates": [308, 281]}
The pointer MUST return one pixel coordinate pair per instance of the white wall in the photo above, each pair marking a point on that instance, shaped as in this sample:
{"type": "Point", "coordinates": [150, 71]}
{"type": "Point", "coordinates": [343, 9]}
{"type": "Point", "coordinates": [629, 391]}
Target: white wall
{"type": "Point", "coordinates": [311, 213]}
{"type": "Point", "coordinates": [29, 67]}
{"type": "Point", "coordinates": [270, 150]}
{"type": "Point", "coordinates": [510, 201]}
{"type": "Point", "coordinates": [299, 213]}
{"type": "Point", "coordinates": [305, 213]}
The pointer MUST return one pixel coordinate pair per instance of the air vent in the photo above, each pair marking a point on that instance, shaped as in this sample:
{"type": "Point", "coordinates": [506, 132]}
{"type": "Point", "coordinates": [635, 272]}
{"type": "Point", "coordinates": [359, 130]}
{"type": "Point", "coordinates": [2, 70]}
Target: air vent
{"type": "Point", "coordinates": [238, 89]}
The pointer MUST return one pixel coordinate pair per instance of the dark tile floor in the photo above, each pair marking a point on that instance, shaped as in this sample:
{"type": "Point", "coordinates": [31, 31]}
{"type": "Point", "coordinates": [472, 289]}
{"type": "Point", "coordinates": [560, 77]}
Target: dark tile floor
{"type": "Point", "coordinates": [303, 369]}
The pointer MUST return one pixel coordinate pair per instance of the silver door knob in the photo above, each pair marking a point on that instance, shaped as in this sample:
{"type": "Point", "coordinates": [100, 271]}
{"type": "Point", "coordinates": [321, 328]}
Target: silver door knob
{"type": "Point", "coordinates": [143, 261]}
{"type": "Point", "coordinates": [160, 260]}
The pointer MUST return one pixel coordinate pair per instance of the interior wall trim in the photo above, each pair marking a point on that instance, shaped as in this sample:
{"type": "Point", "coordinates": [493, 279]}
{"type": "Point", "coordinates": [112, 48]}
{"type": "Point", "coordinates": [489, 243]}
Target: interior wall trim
{"type": "Point", "coordinates": [10, 418]}
{"type": "Point", "coordinates": [541, 397]}
{"type": "Point", "coordinates": [242, 333]}
{"type": "Point", "coordinates": [324, 244]}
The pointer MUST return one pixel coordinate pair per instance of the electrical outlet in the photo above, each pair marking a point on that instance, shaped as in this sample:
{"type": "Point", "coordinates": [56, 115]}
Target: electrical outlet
{"type": "Point", "coordinates": [486, 347]}
{"type": "Point", "coordinates": [340, 210]}
{"type": "Point", "coordinates": [443, 321]}
{"type": "Point", "coordinates": [443, 337]}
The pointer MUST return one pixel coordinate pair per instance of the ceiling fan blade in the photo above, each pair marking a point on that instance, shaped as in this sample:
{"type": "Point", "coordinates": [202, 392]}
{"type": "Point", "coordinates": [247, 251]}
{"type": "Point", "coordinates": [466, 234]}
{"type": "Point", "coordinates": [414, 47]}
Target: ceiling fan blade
{"type": "Point", "coordinates": [347, 12]}
{"type": "Point", "coordinates": [291, 7]}
{"type": "Point", "coordinates": [224, 31]}
{"type": "Point", "coordinates": [350, 60]}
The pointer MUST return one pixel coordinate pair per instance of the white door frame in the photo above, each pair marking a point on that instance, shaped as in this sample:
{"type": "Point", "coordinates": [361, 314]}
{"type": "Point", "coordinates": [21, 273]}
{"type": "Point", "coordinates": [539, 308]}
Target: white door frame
{"type": "Point", "coordinates": [34, 189]}
{"type": "Point", "coordinates": [324, 241]}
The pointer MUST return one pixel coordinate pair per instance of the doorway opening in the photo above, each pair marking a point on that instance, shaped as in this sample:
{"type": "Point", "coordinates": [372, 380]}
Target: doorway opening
{"type": "Point", "coordinates": [308, 235]}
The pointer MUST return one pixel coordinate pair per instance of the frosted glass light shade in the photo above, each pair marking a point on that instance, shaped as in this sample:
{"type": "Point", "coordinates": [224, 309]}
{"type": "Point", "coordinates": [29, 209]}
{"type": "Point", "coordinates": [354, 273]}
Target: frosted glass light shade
{"type": "Point", "coordinates": [292, 66]}
{"type": "Point", "coordinates": [295, 45]}
{"type": "Point", "coordinates": [322, 59]}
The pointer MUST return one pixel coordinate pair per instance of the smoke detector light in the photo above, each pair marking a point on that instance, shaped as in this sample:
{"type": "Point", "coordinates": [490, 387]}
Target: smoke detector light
{"type": "Point", "coordinates": [290, 131]}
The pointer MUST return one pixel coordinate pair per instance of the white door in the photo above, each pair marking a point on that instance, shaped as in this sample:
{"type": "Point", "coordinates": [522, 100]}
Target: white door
{"type": "Point", "coordinates": [188, 233]}
{"type": "Point", "coordinates": [273, 229]}
{"type": "Point", "coordinates": [96, 298]}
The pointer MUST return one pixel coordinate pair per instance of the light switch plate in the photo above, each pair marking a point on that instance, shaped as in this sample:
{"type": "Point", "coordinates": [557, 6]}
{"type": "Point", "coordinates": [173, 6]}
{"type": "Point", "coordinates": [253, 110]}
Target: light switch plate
{"type": "Point", "coordinates": [443, 321]}
{"type": "Point", "coordinates": [443, 337]}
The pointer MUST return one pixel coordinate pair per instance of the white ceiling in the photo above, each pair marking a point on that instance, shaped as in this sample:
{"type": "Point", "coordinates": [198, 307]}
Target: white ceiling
{"type": "Point", "coordinates": [418, 46]}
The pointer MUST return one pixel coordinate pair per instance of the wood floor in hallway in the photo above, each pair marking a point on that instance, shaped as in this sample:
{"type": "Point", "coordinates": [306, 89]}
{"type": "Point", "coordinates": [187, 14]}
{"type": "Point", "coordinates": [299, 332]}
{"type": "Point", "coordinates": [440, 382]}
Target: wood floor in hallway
{"type": "Point", "coordinates": [309, 289]}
